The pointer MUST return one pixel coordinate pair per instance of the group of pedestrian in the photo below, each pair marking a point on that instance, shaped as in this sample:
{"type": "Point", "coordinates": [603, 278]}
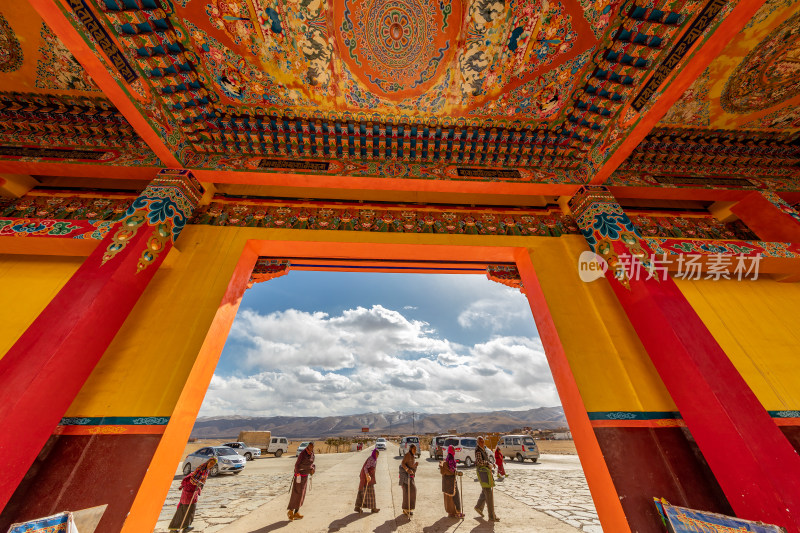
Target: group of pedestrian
{"type": "Point", "coordinates": [365, 498]}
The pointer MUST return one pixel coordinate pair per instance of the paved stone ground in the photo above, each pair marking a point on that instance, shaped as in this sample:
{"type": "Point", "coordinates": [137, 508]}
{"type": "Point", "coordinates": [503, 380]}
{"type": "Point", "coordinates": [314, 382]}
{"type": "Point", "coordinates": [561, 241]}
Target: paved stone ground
{"type": "Point", "coordinates": [225, 499]}
{"type": "Point", "coordinates": [556, 486]}
{"type": "Point", "coordinates": [232, 503]}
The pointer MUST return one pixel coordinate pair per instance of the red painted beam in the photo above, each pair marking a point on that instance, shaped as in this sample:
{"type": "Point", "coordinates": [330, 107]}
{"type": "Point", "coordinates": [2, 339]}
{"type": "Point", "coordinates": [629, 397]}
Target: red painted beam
{"type": "Point", "coordinates": [77, 170]}
{"type": "Point", "coordinates": [51, 13]}
{"type": "Point", "coordinates": [756, 466]}
{"type": "Point", "coordinates": [44, 370]}
{"type": "Point", "coordinates": [771, 222]}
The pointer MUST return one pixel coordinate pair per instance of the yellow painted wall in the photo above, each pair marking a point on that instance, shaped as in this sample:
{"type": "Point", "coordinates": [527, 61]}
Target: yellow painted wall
{"type": "Point", "coordinates": [144, 369]}
{"type": "Point", "coordinates": [758, 325]}
{"type": "Point", "coordinates": [27, 284]}
{"type": "Point", "coordinates": [611, 368]}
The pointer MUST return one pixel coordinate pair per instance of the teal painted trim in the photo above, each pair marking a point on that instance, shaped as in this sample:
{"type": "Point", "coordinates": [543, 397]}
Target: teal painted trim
{"type": "Point", "coordinates": [655, 415]}
{"type": "Point", "coordinates": [115, 421]}
{"type": "Point", "coordinates": [633, 415]}
{"type": "Point", "coordinates": [784, 414]}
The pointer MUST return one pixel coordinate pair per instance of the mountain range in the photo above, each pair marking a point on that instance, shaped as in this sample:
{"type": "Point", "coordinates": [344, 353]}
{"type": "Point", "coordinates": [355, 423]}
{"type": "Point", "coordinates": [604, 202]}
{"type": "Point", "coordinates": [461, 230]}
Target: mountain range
{"type": "Point", "coordinates": [395, 423]}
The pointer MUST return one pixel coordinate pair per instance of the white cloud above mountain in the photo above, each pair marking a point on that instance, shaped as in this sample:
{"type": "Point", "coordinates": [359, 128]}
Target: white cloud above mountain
{"type": "Point", "coordinates": [378, 359]}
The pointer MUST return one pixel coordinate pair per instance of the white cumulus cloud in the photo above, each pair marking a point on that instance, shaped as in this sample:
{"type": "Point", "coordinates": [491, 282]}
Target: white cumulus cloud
{"type": "Point", "coordinates": [373, 359]}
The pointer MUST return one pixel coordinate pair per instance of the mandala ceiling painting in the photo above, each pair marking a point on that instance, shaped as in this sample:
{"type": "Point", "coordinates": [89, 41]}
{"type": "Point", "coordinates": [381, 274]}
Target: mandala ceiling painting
{"type": "Point", "coordinates": [754, 83]}
{"type": "Point", "coordinates": [768, 75]}
{"type": "Point", "coordinates": [440, 57]}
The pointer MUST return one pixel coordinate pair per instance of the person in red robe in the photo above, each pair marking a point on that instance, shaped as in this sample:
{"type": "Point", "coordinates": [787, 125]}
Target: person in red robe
{"type": "Point", "coordinates": [498, 459]}
{"type": "Point", "coordinates": [303, 467]}
{"type": "Point", "coordinates": [366, 485]}
{"type": "Point", "coordinates": [190, 491]}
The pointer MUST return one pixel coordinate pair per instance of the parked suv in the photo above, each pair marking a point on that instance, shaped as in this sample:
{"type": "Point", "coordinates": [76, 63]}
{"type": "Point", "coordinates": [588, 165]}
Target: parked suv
{"type": "Point", "coordinates": [464, 448]}
{"type": "Point", "coordinates": [519, 447]}
{"type": "Point", "coordinates": [405, 444]}
{"type": "Point", "coordinates": [278, 446]}
{"type": "Point", "coordinates": [438, 449]}
{"type": "Point", "coordinates": [248, 452]}
{"type": "Point", "coordinates": [227, 460]}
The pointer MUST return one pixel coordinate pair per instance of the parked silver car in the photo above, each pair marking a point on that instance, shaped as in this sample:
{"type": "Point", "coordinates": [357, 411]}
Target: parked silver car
{"type": "Point", "coordinates": [248, 452]}
{"type": "Point", "coordinates": [405, 445]}
{"type": "Point", "coordinates": [437, 449]}
{"type": "Point", "coordinates": [227, 460]}
{"type": "Point", "coordinates": [303, 446]}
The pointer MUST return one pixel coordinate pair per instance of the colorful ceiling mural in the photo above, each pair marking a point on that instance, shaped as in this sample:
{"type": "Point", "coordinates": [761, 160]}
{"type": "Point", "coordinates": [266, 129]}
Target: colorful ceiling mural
{"type": "Point", "coordinates": [33, 59]}
{"type": "Point", "coordinates": [528, 91]}
{"type": "Point", "coordinates": [50, 108]}
{"type": "Point", "coordinates": [415, 57]}
{"type": "Point", "coordinates": [754, 84]}
{"type": "Point", "coordinates": [492, 83]}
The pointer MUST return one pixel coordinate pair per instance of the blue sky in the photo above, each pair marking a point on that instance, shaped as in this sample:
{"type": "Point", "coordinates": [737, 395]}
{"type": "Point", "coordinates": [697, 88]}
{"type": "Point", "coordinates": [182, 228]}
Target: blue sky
{"type": "Point", "coordinates": [335, 343]}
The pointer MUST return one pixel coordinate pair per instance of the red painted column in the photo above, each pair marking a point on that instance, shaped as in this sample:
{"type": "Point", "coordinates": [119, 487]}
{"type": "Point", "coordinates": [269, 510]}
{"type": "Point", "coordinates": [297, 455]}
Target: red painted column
{"type": "Point", "coordinates": [42, 373]}
{"type": "Point", "coordinates": [754, 464]}
{"type": "Point", "coordinates": [769, 216]}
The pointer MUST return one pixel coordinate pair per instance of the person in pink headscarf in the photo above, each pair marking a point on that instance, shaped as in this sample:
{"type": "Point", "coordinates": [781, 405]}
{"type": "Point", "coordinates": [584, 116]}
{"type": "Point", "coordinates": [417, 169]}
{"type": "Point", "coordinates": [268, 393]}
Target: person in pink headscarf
{"type": "Point", "coordinates": [366, 486]}
{"type": "Point", "coordinates": [452, 499]}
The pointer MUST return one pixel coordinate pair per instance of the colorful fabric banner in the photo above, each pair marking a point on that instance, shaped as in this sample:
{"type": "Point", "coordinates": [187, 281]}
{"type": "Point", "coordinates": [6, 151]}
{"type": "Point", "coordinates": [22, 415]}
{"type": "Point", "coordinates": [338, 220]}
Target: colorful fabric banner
{"type": "Point", "coordinates": [683, 520]}
{"type": "Point", "coordinates": [59, 523]}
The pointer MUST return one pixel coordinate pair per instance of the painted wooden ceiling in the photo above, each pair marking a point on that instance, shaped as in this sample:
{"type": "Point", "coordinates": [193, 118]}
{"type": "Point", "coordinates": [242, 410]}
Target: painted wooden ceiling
{"type": "Point", "coordinates": [531, 91]}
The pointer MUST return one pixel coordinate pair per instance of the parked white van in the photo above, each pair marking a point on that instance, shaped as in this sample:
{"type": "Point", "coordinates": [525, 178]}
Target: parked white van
{"type": "Point", "coordinates": [278, 446]}
{"type": "Point", "coordinates": [464, 448]}
{"type": "Point", "coordinates": [519, 447]}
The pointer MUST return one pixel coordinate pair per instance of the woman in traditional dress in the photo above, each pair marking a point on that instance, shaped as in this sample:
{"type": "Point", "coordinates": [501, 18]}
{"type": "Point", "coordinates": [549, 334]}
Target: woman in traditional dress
{"type": "Point", "coordinates": [498, 459]}
{"type": "Point", "coordinates": [190, 491]}
{"type": "Point", "coordinates": [303, 467]}
{"type": "Point", "coordinates": [408, 469]}
{"type": "Point", "coordinates": [452, 499]}
{"type": "Point", "coordinates": [366, 485]}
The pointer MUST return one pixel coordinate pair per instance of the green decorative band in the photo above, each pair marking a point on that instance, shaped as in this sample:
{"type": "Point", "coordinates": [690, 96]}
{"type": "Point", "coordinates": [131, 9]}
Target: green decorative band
{"type": "Point", "coordinates": [785, 414]}
{"type": "Point", "coordinates": [662, 415]}
{"type": "Point", "coordinates": [633, 415]}
{"type": "Point", "coordinates": [114, 421]}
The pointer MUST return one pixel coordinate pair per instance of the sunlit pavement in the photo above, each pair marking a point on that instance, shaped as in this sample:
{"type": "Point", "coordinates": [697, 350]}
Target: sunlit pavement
{"type": "Point", "coordinates": [556, 485]}
{"type": "Point", "coordinates": [549, 497]}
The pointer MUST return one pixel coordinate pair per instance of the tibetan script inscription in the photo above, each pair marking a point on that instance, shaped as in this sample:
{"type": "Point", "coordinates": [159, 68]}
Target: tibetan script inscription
{"type": "Point", "coordinates": [89, 19]}
{"type": "Point", "coordinates": [52, 153]}
{"type": "Point", "coordinates": [705, 182]}
{"type": "Point", "coordinates": [293, 164]}
{"type": "Point", "coordinates": [695, 30]}
{"type": "Point", "coordinates": [488, 173]}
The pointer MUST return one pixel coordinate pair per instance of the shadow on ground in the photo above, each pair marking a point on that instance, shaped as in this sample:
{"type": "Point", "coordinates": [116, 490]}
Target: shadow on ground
{"type": "Point", "coordinates": [272, 527]}
{"type": "Point", "coordinates": [337, 525]}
